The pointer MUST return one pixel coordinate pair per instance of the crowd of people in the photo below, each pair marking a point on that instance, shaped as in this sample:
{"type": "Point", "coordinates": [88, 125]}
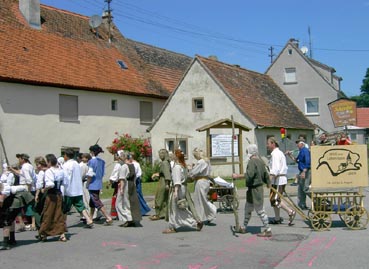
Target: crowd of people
{"type": "Point", "coordinates": [45, 194]}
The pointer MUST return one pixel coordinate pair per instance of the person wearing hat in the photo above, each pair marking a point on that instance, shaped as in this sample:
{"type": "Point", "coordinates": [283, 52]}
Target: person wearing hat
{"type": "Point", "coordinates": [95, 174]}
{"type": "Point", "coordinates": [256, 176]}
{"type": "Point", "coordinates": [303, 161]}
{"type": "Point", "coordinates": [27, 177]}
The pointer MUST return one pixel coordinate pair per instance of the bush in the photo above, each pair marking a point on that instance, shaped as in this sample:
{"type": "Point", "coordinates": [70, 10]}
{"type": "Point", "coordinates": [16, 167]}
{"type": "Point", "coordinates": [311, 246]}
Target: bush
{"type": "Point", "coordinates": [148, 170]}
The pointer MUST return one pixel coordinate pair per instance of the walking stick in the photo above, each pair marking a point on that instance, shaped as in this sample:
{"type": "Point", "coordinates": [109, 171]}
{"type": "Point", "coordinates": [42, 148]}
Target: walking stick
{"type": "Point", "coordinates": [234, 201]}
{"type": "Point", "coordinates": [3, 146]}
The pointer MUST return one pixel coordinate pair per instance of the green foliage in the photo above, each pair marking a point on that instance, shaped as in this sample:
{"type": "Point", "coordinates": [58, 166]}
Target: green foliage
{"type": "Point", "coordinates": [148, 170]}
{"type": "Point", "coordinates": [365, 87]}
{"type": "Point", "coordinates": [361, 100]}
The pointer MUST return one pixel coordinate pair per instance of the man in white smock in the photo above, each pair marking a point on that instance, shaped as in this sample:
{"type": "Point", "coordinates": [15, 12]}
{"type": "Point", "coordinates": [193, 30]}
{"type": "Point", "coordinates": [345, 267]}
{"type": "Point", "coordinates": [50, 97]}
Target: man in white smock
{"type": "Point", "coordinates": [200, 173]}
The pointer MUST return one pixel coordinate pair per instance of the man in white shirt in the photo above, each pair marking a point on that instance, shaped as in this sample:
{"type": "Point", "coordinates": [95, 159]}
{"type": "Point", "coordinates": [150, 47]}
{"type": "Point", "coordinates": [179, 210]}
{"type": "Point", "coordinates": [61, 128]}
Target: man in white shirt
{"type": "Point", "coordinates": [73, 188]}
{"type": "Point", "coordinates": [278, 178]}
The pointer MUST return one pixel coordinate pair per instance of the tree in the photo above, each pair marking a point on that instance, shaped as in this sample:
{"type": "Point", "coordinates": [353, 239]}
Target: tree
{"type": "Point", "coordinates": [365, 87]}
{"type": "Point", "coordinates": [362, 100]}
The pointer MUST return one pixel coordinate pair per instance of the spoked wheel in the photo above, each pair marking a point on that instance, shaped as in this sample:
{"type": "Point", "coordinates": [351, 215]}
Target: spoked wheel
{"type": "Point", "coordinates": [227, 202]}
{"type": "Point", "coordinates": [321, 221]}
{"type": "Point", "coordinates": [356, 217]}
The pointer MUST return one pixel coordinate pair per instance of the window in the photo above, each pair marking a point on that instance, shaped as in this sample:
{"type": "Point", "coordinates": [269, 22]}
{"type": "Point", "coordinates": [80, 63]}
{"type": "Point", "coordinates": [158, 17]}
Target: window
{"type": "Point", "coordinates": [114, 105]}
{"type": "Point", "coordinates": [68, 108]}
{"type": "Point", "coordinates": [170, 144]}
{"type": "Point", "coordinates": [290, 75]}
{"type": "Point", "coordinates": [146, 114]}
{"type": "Point", "coordinates": [289, 51]}
{"type": "Point", "coordinates": [198, 104]}
{"type": "Point", "coordinates": [122, 64]}
{"type": "Point", "coordinates": [311, 106]}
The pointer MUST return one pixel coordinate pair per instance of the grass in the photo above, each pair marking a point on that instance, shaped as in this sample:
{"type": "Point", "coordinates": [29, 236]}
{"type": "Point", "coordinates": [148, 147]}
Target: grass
{"type": "Point", "coordinates": [149, 188]}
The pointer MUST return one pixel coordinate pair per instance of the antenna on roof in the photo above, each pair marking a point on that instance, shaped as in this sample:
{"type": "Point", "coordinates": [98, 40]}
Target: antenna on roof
{"type": "Point", "coordinates": [95, 22]}
{"type": "Point", "coordinates": [107, 14]}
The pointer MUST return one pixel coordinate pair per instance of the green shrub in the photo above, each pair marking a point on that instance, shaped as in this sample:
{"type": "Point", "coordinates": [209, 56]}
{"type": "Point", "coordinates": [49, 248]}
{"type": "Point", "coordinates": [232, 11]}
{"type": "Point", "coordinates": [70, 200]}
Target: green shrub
{"type": "Point", "coordinates": [148, 170]}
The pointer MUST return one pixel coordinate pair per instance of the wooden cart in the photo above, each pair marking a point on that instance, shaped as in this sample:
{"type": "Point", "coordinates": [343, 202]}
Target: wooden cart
{"type": "Point", "coordinates": [225, 196]}
{"type": "Point", "coordinates": [339, 174]}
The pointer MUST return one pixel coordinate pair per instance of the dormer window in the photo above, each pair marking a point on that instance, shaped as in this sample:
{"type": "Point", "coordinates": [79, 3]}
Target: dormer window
{"type": "Point", "coordinates": [122, 64]}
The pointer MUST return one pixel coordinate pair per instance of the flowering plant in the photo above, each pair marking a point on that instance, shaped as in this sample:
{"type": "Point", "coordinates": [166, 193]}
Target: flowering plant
{"type": "Point", "coordinates": [139, 146]}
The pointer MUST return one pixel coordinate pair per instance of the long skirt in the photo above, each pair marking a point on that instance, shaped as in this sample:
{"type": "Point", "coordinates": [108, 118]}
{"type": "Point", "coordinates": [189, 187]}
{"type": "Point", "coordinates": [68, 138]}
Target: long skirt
{"type": "Point", "coordinates": [52, 219]}
{"type": "Point", "coordinates": [127, 204]}
{"type": "Point", "coordinates": [144, 208]}
{"type": "Point", "coordinates": [181, 217]}
{"type": "Point", "coordinates": [205, 209]}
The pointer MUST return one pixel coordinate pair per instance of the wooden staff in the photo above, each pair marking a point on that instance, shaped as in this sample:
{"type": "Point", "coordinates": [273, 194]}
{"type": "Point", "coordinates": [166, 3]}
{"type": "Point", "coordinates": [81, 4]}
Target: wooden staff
{"type": "Point", "coordinates": [2, 144]}
{"type": "Point", "coordinates": [235, 199]}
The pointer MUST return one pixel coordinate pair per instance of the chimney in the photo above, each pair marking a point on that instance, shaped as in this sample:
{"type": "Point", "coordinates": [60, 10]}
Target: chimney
{"type": "Point", "coordinates": [213, 57]}
{"type": "Point", "coordinates": [294, 42]}
{"type": "Point", "coordinates": [31, 12]}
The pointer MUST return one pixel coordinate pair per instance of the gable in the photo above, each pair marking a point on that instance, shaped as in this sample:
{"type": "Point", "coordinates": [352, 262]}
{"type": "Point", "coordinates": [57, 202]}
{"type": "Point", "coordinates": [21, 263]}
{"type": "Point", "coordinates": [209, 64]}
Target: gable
{"type": "Point", "coordinates": [257, 96]}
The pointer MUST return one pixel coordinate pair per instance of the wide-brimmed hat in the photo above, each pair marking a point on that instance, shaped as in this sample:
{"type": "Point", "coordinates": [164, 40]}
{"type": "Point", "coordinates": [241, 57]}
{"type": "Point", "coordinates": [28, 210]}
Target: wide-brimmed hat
{"type": "Point", "coordinates": [96, 149]}
{"type": "Point", "coordinates": [22, 155]}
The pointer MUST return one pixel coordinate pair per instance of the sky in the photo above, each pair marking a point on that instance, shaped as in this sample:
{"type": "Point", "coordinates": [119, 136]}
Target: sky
{"type": "Point", "coordinates": [243, 32]}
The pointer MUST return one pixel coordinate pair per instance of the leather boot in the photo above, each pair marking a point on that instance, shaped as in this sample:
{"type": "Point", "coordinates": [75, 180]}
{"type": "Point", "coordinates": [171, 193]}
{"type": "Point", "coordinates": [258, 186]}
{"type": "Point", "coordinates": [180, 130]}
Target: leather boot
{"type": "Point", "coordinates": [12, 241]}
{"type": "Point", "coordinates": [5, 245]}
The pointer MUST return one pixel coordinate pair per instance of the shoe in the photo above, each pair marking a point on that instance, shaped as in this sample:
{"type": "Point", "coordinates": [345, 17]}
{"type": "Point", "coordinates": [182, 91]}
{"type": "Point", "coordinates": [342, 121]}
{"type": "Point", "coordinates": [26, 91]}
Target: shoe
{"type": "Point", "coordinates": [12, 242]}
{"type": "Point", "coordinates": [199, 226]}
{"type": "Point", "coordinates": [128, 224]}
{"type": "Point", "coordinates": [108, 222]}
{"type": "Point", "coordinates": [5, 247]}
{"type": "Point", "coordinates": [155, 217]}
{"type": "Point", "coordinates": [27, 227]}
{"type": "Point", "coordinates": [291, 217]}
{"type": "Point", "coordinates": [241, 230]}
{"type": "Point", "coordinates": [169, 231]}
{"type": "Point", "coordinates": [89, 225]}
{"type": "Point", "coordinates": [41, 238]}
{"type": "Point", "coordinates": [62, 238]}
{"type": "Point", "coordinates": [265, 233]}
{"type": "Point", "coordinates": [274, 221]}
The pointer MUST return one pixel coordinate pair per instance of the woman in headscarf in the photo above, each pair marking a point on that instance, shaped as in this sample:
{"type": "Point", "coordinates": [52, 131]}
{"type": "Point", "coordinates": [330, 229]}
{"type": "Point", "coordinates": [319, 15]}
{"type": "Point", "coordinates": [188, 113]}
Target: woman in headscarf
{"type": "Point", "coordinates": [181, 211]}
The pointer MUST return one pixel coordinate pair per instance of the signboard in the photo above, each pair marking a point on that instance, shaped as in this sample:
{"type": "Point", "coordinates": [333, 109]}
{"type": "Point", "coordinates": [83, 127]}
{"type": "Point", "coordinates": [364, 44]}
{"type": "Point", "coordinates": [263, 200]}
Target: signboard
{"type": "Point", "coordinates": [343, 112]}
{"type": "Point", "coordinates": [221, 145]}
{"type": "Point", "coordinates": [339, 166]}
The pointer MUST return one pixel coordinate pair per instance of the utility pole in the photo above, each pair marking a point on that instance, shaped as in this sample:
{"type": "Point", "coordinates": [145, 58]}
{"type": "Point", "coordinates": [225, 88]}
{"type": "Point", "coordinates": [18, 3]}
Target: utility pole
{"type": "Point", "coordinates": [310, 48]}
{"type": "Point", "coordinates": [110, 18]}
{"type": "Point", "coordinates": [271, 55]}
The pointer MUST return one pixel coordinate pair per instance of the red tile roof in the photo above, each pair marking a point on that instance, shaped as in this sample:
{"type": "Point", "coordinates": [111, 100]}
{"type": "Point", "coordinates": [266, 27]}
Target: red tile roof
{"type": "Point", "coordinates": [67, 53]}
{"type": "Point", "coordinates": [362, 115]}
{"type": "Point", "coordinates": [257, 95]}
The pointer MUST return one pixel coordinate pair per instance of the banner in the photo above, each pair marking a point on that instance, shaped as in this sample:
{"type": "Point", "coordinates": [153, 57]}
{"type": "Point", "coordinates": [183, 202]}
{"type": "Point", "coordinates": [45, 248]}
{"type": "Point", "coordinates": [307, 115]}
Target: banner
{"type": "Point", "coordinates": [343, 112]}
{"type": "Point", "coordinates": [339, 166]}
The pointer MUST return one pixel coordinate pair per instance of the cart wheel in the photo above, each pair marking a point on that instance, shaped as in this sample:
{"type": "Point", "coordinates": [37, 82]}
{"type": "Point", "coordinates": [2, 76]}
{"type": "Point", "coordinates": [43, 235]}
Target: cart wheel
{"type": "Point", "coordinates": [321, 221]}
{"type": "Point", "coordinates": [227, 202]}
{"type": "Point", "coordinates": [356, 217]}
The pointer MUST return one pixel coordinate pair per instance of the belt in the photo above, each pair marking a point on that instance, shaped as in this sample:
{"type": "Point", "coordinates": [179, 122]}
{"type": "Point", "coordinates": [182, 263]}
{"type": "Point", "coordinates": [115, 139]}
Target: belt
{"type": "Point", "coordinates": [200, 178]}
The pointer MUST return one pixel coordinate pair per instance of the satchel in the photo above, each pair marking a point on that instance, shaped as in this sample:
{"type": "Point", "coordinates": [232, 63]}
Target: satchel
{"type": "Point", "coordinates": [182, 204]}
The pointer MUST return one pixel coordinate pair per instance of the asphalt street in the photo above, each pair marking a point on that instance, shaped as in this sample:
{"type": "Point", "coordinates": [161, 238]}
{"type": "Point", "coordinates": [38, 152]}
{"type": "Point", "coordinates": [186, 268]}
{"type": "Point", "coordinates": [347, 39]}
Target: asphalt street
{"type": "Point", "coordinates": [296, 246]}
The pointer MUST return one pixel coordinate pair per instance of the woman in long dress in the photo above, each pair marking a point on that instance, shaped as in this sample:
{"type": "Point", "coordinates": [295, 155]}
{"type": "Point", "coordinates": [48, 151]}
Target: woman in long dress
{"type": "Point", "coordinates": [181, 211]}
{"type": "Point", "coordinates": [52, 219]}
{"type": "Point", "coordinates": [200, 173]}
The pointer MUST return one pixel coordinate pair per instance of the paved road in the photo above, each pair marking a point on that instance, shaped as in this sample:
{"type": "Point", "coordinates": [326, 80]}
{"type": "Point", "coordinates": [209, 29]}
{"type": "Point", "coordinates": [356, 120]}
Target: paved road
{"type": "Point", "coordinates": [214, 247]}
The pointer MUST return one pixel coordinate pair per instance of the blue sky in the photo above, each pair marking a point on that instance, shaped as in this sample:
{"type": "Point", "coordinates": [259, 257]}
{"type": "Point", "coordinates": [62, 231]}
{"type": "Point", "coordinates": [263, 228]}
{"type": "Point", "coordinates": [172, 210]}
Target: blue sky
{"type": "Point", "coordinates": [241, 32]}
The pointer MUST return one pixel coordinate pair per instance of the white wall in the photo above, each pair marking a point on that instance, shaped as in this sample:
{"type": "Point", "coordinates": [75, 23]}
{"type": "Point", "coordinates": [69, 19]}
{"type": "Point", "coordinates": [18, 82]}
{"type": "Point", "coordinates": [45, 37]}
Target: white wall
{"type": "Point", "coordinates": [309, 85]}
{"type": "Point", "coordinates": [29, 120]}
{"type": "Point", "coordinates": [178, 116]}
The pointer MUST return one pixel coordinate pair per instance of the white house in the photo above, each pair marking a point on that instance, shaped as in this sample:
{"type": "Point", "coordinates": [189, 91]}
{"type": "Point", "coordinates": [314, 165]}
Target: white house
{"type": "Point", "coordinates": [310, 84]}
{"type": "Point", "coordinates": [211, 91]}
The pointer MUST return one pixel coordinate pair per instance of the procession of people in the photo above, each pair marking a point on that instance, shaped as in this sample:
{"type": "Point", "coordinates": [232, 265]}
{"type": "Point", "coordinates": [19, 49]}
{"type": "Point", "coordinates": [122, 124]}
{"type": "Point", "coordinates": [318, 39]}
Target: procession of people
{"type": "Point", "coordinates": [46, 193]}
